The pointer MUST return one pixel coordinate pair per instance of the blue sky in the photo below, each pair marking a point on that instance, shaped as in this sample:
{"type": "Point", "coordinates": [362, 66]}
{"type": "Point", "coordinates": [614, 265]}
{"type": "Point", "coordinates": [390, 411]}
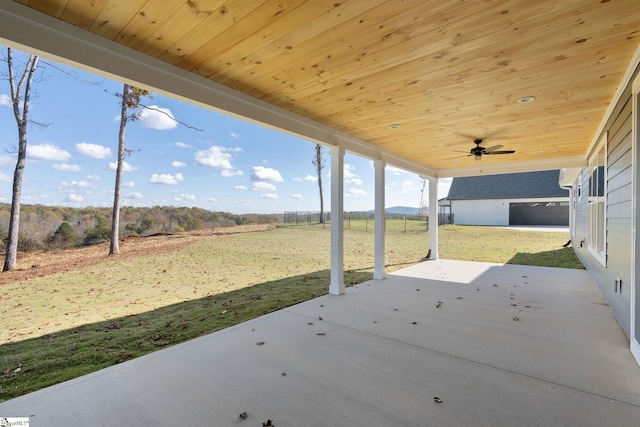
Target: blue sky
{"type": "Point", "coordinates": [231, 165]}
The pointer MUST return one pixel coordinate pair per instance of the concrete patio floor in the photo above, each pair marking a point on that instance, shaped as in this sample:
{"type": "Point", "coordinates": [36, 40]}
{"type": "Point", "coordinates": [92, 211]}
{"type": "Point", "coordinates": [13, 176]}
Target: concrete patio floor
{"type": "Point", "coordinates": [500, 345]}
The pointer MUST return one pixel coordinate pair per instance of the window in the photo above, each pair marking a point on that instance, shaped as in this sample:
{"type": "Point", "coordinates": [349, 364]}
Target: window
{"type": "Point", "coordinates": [597, 191]}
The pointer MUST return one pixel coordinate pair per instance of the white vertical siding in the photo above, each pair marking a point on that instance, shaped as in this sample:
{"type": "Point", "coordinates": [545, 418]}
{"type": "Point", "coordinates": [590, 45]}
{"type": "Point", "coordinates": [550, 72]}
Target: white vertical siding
{"type": "Point", "coordinates": [619, 216]}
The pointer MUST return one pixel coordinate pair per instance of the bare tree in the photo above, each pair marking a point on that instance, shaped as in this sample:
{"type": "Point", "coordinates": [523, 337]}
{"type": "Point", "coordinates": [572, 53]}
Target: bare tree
{"type": "Point", "coordinates": [130, 102]}
{"type": "Point", "coordinates": [318, 162]}
{"type": "Point", "coordinates": [20, 96]}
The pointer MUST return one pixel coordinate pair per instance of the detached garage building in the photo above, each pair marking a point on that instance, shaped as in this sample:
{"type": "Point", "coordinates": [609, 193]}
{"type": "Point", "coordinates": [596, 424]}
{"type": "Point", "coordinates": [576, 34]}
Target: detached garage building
{"type": "Point", "coordinates": [529, 198]}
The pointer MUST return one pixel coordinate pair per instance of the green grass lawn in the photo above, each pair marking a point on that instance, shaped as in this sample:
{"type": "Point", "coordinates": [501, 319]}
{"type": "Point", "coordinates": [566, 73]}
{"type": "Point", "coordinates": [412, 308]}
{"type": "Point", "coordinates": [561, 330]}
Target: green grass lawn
{"type": "Point", "coordinates": [61, 326]}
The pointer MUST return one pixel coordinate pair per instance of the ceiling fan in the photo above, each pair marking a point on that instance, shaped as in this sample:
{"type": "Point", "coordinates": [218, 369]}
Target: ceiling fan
{"type": "Point", "coordinates": [479, 151]}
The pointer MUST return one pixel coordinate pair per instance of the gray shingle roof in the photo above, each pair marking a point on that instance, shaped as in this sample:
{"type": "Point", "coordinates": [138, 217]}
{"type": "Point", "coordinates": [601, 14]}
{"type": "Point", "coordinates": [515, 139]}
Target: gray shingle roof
{"type": "Point", "coordinates": [507, 186]}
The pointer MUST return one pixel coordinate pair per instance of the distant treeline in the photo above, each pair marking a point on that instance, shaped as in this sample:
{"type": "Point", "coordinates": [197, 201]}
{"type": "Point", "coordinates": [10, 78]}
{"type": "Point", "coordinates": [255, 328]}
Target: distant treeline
{"type": "Point", "coordinates": [58, 227]}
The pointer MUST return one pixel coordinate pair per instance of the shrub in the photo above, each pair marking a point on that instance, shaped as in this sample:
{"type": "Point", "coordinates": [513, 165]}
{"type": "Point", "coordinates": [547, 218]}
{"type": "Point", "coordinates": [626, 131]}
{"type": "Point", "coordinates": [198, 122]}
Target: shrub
{"type": "Point", "coordinates": [27, 243]}
{"type": "Point", "coordinates": [64, 237]}
{"type": "Point", "coordinates": [98, 234]}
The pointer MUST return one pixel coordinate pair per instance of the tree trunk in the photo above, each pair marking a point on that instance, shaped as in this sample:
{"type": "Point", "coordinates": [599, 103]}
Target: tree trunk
{"type": "Point", "coordinates": [321, 200]}
{"type": "Point", "coordinates": [114, 248]}
{"type": "Point", "coordinates": [11, 253]}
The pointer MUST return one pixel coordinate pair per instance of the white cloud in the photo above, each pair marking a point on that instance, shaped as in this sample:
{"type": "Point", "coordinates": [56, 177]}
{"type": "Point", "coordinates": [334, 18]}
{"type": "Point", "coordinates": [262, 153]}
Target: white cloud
{"type": "Point", "coordinates": [66, 167]}
{"type": "Point", "coordinates": [240, 187]}
{"type": "Point", "coordinates": [5, 178]}
{"type": "Point", "coordinates": [395, 171]}
{"type": "Point", "coordinates": [184, 197]}
{"type": "Point", "coordinates": [74, 198]}
{"type": "Point", "coordinates": [93, 150]}
{"type": "Point", "coordinates": [296, 196]}
{"type": "Point", "coordinates": [357, 192]}
{"type": "Point", "coordinates": [227, 173]}
{"type": "Point", "coordinates": [182, 145]}
{"type": "Point", "coordinates": [5, 100]}
{"type": "Point", "coordinates": [264, 186]}
{"type": "Point", "coordinates": [349, 176]}
{"type": "Point", "coordinates": [126, 167]}
{"type": "Point", "coordinates": [269, 196]}
{"type": "Point", "coordinates": [234, 136]}
{"type": "Point", "coordinates": [409, 186]}
{"type": "Point", "coordinates": [166, 178]}
{"type": "Point", "coordinates": [47, 152]}
{"type": "Point", "coordinates": [177, 164]}
{"type": "Point", "coordinates": [7, 160]}
{"type": "Point", "coordinates": [158, 118]}
{"type": "Point", "coordinates": [129, 184]}
{"type": "Point", "coordinates": [213, 199]}
{"type": "Point", "coordinates": [260, 173]}
{"type": "Point", "coordinates": [307, 178]}
{"type": "Point", "coordinates": [135, 195]}
{"type": "Point", "coordinates": [79, 184]}
{"type": "Point", "coordinates": [215, 157]}
{"type": "Point", "coordinates": [94, 177]}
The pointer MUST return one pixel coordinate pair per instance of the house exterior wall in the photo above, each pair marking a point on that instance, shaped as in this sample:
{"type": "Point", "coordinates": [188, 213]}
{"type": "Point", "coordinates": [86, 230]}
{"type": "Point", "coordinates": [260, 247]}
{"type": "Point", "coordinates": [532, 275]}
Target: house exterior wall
{"type": "Point", "coordinates": [490, 211]}
{"type": "Point", "coordinates": [480, 212]}
{"type": "Point", "coordinates": [618, 217]}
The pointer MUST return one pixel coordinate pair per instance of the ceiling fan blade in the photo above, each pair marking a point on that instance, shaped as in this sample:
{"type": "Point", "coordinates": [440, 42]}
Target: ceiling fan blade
{"type": "Point", "coordinates": [501, 152]}
{"type": "Point", "coordinates": [494, 148]}
{"type": "Point", "coordinates": [463, 139]}
{"type": "Point", "coordinates": [457, 157]}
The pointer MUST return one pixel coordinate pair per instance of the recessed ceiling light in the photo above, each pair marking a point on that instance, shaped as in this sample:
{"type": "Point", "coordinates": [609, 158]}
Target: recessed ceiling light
{"type": "Point", "coordinates": [394, 126]}
{"type": "Point", "coordinates": [526, 99]}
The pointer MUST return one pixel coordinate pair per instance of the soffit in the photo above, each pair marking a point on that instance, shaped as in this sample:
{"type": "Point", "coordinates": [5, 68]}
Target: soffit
{"type": "Point", "coordinates": [447, 71]}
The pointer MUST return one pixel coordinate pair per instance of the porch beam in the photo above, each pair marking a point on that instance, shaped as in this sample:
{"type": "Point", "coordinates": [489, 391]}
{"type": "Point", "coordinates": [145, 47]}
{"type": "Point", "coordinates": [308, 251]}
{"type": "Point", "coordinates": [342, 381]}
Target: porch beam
{"type": "Point", "coordinates": [336, 287]}
{"type": "Point", "coordinates": [380, 220]}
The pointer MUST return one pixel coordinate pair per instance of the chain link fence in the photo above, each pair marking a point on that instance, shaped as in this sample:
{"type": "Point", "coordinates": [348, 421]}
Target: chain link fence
{"type": "Point", "coordinates": [307, 217]}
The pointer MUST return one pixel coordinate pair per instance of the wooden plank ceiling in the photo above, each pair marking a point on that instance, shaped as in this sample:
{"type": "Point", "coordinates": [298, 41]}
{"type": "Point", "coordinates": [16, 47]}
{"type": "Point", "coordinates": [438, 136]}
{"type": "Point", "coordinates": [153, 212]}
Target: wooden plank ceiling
{"type": "Point", "coordinates": [445, 71]}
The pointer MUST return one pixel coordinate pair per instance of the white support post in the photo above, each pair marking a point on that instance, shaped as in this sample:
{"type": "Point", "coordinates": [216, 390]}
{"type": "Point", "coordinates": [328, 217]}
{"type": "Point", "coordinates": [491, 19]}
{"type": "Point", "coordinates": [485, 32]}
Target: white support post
{"type": "Point", "coordinates": [379, 271]}
{"type": "Point", "coordinates": [433, 217]}
{"type": "Point", "coordinates": [336, 287]}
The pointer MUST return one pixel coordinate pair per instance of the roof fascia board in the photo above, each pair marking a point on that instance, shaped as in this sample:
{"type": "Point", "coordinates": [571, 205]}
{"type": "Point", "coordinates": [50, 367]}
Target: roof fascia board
{"type": "Point", "coordinates": [26, 29]}
{"type": "Point", "coordinates": [518, 199]}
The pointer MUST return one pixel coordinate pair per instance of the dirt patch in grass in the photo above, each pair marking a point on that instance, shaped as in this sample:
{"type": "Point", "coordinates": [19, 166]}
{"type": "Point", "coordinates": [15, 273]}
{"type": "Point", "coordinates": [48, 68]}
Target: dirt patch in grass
{"type": "Point", "coordinates": [40, 264]}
